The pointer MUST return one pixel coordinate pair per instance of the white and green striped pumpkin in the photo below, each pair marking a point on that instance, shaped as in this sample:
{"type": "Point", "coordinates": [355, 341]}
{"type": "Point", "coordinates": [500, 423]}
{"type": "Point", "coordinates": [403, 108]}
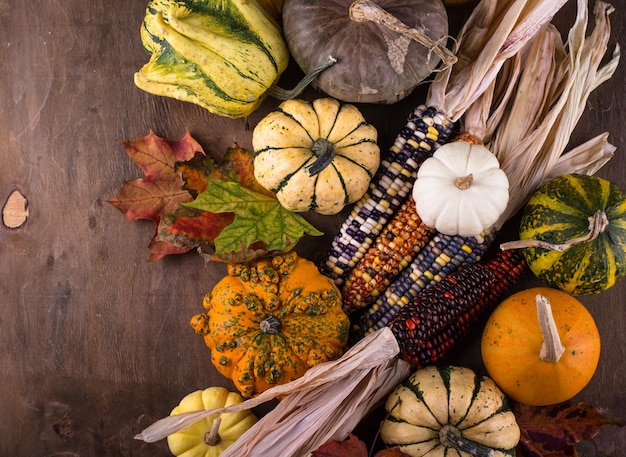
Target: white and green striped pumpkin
{"type": "Point", "coordinates": [315, 156]}
{"type": "Point", "coordinates": [449, 411]}
{"type": "Point", "coordinates": [222, 55]}
{"type": "Point", "coordinates": [574, 228]}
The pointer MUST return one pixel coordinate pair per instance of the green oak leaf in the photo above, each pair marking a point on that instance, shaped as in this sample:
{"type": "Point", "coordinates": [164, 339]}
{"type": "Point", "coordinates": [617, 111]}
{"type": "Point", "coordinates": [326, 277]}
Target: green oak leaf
{"type": "Point", "coordinates": [258, 217]}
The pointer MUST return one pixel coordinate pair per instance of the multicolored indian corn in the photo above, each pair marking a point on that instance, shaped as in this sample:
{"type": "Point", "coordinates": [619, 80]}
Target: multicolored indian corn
{"type": "Point", "coordinates": [443, 314]}
{"type": "Point", "coordinates": [441, 256]}
{"type": "Point", "coordinates": [394, 249]}
{"type": "Point", "coordinates": [426, 129]}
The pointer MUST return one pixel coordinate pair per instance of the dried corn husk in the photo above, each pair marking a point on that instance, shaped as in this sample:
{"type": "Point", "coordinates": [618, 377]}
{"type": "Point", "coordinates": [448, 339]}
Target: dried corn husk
{"type": "Point", "coordinates": [531, 139]}
{"type": "Point", "coordinates": [323, 405]}
{"type": "Point", "coordinates": [496, 31]}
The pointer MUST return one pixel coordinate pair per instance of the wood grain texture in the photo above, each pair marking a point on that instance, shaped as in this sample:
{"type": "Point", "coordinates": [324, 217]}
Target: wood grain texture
{"type": "Point", "coordinates": [95, 341]}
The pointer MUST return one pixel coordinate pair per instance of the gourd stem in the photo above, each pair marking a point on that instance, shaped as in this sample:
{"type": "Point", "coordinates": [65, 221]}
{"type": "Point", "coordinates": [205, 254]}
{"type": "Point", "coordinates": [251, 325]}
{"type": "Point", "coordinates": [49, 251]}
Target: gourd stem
{"type": "Point", "coordinates": [366, 10]}
{"type": "Point", "coordinates": [451, 436]}
{"type": "Point", "coordinates": [212, 437]}
{"type": "Point", "coordinates": [464, 182]}
{"type": "Point", "coordinates": [552, 349]}
{"type": "Point", "coordinates": [325, 153]}
{"type": "Point", "coordinates": [597, 224]}
{"type": "Point", "coordinates": [270, 324]}
{"type": "Point", "coordinates": [285, 94]}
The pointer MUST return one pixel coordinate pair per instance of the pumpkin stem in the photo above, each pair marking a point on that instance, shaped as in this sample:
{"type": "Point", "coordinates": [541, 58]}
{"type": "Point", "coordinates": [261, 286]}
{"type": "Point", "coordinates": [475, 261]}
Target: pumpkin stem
{"type": "Point", "coordinates": [552, 349]}
{"type": "Point", "coordinates": [270, 324]}
{"type": "Point", "coordinates": [212, 438]}
{"type": "Point", "coordinates": [451, 436]}
{"type": "Point", "coordinates": [597, 224]}
{"type": "Point", "coordinates": [366, 10]}
{"type": "Point", "coordinates": [464, 182]}
{"type": "Point", "coordinates": [285, 94]}
{"type": "Point", "coordinates": [325, 153]}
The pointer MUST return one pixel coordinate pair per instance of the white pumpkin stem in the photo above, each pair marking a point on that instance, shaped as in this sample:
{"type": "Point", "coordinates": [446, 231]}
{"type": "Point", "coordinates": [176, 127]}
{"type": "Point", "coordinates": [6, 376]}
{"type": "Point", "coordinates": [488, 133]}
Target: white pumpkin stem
{"type": "Point", "coordinates": [464, 182]}
{"type": "Point", "coordinates": [212, 437]}
{"type": "Point", "coordinates": [597, 224]}
{"type": "Point", "coordinates": [450, 436]}
{"type": "Point", "coordinates": [366, 10]}
{"type": "Point", "coordinates": [552, 349]}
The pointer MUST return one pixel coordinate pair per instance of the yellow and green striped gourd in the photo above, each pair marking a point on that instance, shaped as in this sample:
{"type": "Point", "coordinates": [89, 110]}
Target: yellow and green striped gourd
{"type": "Point", "coordinates": [222, 55]}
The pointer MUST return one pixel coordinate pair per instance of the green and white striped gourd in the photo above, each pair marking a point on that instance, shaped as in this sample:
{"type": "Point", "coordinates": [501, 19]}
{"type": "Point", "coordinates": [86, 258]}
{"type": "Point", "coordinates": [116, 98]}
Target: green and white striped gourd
{"type": "Point", "coordinates": [221, 55]}
{"type": "Point", "coordinates": [449, 411]}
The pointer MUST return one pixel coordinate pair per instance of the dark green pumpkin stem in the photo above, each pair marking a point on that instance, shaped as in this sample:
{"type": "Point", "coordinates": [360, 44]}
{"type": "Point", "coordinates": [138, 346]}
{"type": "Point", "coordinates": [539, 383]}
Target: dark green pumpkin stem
{"type": "Point", "coordinates": [597, 224]}
{"type": "Point", "coordinates": [325, 153]}
{"type": "Point", "coordinates": [450, 436]}
{"type": "Point", "coordinates": [284, 94]}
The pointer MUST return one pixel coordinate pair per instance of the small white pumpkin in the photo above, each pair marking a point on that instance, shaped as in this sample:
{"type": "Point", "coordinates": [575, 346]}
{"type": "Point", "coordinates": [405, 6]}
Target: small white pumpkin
{"type": "Point", "coordinates": [449, 411]}
{"type": "Point", "coordinates": [315, 156]}
{"type": "Point", "coordinates": [461, 189]}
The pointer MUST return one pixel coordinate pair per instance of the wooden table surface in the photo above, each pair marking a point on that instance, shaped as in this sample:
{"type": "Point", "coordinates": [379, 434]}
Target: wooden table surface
{"type": "Point", "coordinates": [95, 342]}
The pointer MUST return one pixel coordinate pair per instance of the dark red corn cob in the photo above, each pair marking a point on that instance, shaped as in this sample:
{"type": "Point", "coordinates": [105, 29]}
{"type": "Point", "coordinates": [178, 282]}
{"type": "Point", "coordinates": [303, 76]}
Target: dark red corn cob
{"type": "Point", "coordinates": [443, 314]}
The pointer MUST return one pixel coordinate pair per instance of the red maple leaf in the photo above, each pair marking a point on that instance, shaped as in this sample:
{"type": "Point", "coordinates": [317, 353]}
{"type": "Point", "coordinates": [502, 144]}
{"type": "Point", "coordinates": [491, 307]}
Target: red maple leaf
{"type": "Point", "coordinates": [160, 190]}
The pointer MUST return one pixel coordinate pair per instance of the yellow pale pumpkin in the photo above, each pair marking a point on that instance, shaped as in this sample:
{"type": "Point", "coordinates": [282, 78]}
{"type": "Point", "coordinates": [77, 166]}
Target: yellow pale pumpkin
{"type": "Point", "coordinates": [209, 437]}
{"type": "Point", "coordinates": [541, 364]}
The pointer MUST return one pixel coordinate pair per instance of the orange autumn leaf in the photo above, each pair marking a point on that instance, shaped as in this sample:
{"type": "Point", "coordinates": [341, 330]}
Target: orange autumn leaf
{"type": "Point", "coordinates": [236, 165]}
{"type": "Point", "coordinates": [554, 431]}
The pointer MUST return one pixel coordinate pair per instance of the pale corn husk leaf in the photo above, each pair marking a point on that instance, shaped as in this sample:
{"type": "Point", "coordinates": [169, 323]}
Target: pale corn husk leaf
{"type": "Point", "coordinates": [496, 31]}
{"type": "Point", "coordinates": [585, 159]}
{"type": "Point", "coordinates": [481, 119]}
{"type": "Point", "coordinates": [325, 404]}
{"type": "Point", "coordinates": [533, 152]}
{"type": "Point", "coordinates": [505, 88]}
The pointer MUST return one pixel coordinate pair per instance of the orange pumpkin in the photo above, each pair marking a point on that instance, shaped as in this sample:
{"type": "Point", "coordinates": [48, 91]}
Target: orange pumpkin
{"type": "Point", "coordinates": [541, 346]}
{"type": "Point", "coordinates": [270, 320]}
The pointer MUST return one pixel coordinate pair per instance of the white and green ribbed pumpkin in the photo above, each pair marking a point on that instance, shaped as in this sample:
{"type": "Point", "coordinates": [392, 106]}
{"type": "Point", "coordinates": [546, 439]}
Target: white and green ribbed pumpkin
{"type": "Point", "coordinates": [315, 156]}
{"type": "Point", "coordinates": [221, 55]}
{"type": "Point", "coordinates": [449, 411]}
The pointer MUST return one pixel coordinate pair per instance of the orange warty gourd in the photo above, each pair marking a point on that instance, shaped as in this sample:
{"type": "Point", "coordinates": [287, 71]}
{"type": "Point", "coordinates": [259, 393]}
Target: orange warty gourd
{"type": "Point", "coordinates": [541, 346]}
{"type": "Point", "coordinates": [270, 320]}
